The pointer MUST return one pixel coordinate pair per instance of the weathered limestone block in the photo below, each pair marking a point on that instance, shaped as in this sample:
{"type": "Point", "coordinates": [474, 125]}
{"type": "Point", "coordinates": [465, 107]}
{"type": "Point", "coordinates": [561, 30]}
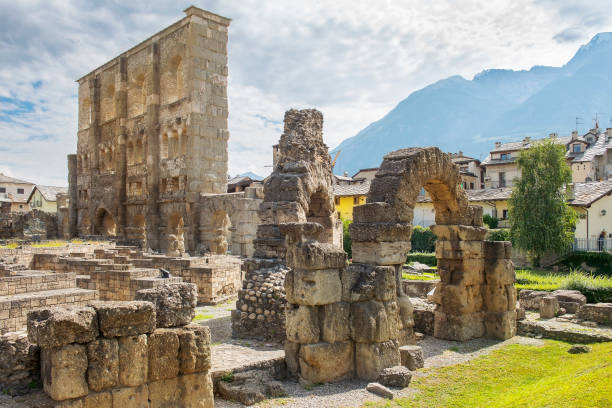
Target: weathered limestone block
{"type": "Point", "coordinates": [163, 354]}
{"type": "Point", "coordinates": [103, 364]}
{"type": "Point", "coordinates": [530, 299]}
{"type": "Point", "coordinates": [335, 322]}
{"type": "Point", "coordinates": [499, 298]}
{"type": "Point", "coordinates": [302, 324]}
{"type": "Point", "coordinates": [460, 249]}
{"type": "Point", "coordinates": [460, 299]}
{"type": "Point", "coordinates": [466, 272]}
{"type": "Point", "coordinates": [398, 376]}
{"type": "Point", "coordinates": [392, 311]}
{"type": "Point", "coordinates": [458, 327]}
{"type": "Point", "coordinates": [316, 287]}
{"type": "Point", "coordinates": [133, 360]}
{"type": "Point", "coordinates": [174, 303]}
{"type": "Point", "coordinates": [63, 371]}
{"type": "Point", "coordinates": [316, 255]}
{"type": "Point", "coordinates": [165, 393]}
{"type": "Point", "coordinates": [459, 232]}
{"type": "Point", "coordinates": [380, 390]}
{"type": "Point", "coordinates": [379, 232]}
{"type": "Point", "coordinates": [549, 307]}
{"type": "Point", "coordinates": [406, 326]}
{"type": "Point", "coordinates": [197, 390]}
{"type": "Point", "coordinates": [279, 212]}
{"type": "Point", "coordinates": [131, 397]}
{"type": "Point", "coordinates": [412, 357]}
{"type": "Point", "coordinates": [119, 319]}
{"type": "Point", "coordinates": [381, 253]}
{"type": "Point", "coordinates": [497, 250]}
{"type": "Point", "coordinates": [381, 212]}
{"type": "Point", "coordinates": [570, 300]}
{"type": "Point", "coordinates": [372, 358]}
{"type": "Point", "coordinates": [501, 325]}
{"type": "Point", "coordinates": [100, 400]}
{"type": "Point", "coordinates": [326, 362]}
{"type": "Point", "coordinates": [194, 349]}
{"type": "Point", "coordinates": [370, 323]}
{"type": "Point", "coordinates": [292, 351]}
{"type": "Point", "coordinates": [362, 282]}
{"type": "Point", "coordinates": [500, 272]}
{"type": "Point", "coordinates": [58, 326]}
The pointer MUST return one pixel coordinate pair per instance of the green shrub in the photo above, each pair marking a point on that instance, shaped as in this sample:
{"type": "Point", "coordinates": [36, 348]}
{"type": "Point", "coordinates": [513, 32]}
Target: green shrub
{"type": "Point", "coordinates": [502, 234]}
{"type": "Point", "coordinates": [228, 376]}
{"type": "Point", "coordinates": [602, 261]}
{"type": "Point", "coordinates": [346, 238]}
{"type": "Point", "coordinates": [423, 240]}
{"type": "Point", "coordinates": [491, 222]}
{"type": "Point", "coordinates": [422, 257]}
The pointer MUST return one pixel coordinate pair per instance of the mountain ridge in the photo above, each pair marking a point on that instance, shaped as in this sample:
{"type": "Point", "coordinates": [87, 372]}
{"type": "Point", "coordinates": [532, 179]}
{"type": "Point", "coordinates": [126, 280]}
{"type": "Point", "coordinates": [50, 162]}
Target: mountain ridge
{"type": "Point", "coordinates": [455, 113]}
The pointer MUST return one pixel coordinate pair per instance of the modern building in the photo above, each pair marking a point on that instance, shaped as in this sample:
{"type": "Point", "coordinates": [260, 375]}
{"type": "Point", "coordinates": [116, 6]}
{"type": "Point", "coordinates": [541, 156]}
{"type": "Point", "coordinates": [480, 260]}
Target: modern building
{"type": "Point", "coordinates": [472, 175]}
{"type": "Point", "coordinates": [44, 198]}
{"type": "Point", "coordinates": [349, 192]}
{"type": "Point", "coordinates": [593, 204]}
{"type": "Point", "coordinates": [17, 191]}
{"type": "Point", "coordinates": [590, 155]}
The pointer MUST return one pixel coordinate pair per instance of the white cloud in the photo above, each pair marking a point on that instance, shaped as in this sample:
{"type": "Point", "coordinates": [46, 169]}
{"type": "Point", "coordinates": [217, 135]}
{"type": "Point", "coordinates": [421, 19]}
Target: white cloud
{"type": "Point", "coordinates": [353, 60]}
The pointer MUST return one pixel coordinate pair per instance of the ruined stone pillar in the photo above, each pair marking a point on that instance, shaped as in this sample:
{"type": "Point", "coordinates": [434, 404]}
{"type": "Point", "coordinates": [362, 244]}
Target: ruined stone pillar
{"type": "Point", "coordinates": [73, 192]}
{"type": "Point", "coordinates": [120, 181]}
{"type": "Point", "coordinates": [152, 148]}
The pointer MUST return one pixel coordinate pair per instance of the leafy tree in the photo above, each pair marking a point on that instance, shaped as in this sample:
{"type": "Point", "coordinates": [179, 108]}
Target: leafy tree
{"type": "Point", "coordinates": [540, 219]}
{"type": "Point", "coordinates": [423, 239]}
{"type": "Point", "coordinates": [346, 238]}
{"type": "Point", "coordinates": [499, 235]}
{"type": "Point", "coordinates": [491, 221]}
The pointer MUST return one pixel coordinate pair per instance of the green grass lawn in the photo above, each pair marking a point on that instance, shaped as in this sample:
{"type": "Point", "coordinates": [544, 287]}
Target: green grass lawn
{"type": "Point", "coordinates": [518, 376]}
{"type": "Point", "coordinates": [423, 276]}
{"type": "Point", "coordinates": [595, 288]}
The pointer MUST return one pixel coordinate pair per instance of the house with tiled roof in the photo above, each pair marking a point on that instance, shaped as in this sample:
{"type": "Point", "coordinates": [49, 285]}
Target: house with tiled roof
{"type": "Point", "coordinates": [590, 155]}
{"type": "Point", "coordinates": [349, 192]}
{"type": "Point", "coordinates": [44, 198]}
{"type": "Point", "coordinates": [17, 191]}
{"type": "Point", "coordinates": [593, 204]}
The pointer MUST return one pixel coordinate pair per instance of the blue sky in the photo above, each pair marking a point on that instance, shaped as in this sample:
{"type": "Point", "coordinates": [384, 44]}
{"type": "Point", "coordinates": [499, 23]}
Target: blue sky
{"type": "Point", "coordinates": [354, 60]}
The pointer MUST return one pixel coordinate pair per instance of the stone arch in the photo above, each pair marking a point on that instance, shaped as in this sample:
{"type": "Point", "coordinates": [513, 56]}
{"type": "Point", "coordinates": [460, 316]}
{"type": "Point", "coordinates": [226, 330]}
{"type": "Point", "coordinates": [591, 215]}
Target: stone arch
{"type": "Point", "coordinates": [476, 295]}
{"type": "Point", "coordinates": [105, 224]}
{"type": "Point", "coordinates": [176, 234]}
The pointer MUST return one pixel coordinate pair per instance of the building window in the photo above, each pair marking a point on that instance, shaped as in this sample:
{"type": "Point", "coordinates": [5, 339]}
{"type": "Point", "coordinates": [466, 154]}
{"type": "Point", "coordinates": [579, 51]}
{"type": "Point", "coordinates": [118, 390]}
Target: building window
{"type": "Point", "coordinates": [576, 148]}
{"type": "Point", "coordinates": [356, 200]}
{"type": "Point", "coordinates": [20, 205]}
{"type": "Point", "coordinates": [502, 179]}
{"type": "Point", "coordinates": [504, 214]}
{"type": "Point", "coordinates": [337, 200]}
{"type": "Point", "coordinates": [20, 191]}
{"type": "Point", "coordinates": [505, 156]}
{"type": "Point", "coordinates": [2, 189]}
{"type": "Point", "coordinates": [471, 186]}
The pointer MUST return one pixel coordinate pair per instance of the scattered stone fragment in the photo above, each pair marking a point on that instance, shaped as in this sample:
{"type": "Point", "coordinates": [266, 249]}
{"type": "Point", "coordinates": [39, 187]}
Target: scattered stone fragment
{"type": "Point", "coordinates": [380, 390]}
{"type": "Point", "coordinates": [579, 348]}
{"type": "Point", "coordinates": [419, 336]}
{"type": "Point", "coordinates": [398, 376]}
{"type": "Point", "coordinates": [412, 357]}
{"type": "Point", "coordinates": [549, 306]}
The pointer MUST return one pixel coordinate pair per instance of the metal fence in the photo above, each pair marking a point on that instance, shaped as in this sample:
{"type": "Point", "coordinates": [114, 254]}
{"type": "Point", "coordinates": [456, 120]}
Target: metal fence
{"type": "Point", "coordinates": [592, 244]}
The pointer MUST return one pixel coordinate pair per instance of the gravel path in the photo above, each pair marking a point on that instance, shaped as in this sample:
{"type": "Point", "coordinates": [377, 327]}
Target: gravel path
{"type": "Point", "coordinates": [438, 353]}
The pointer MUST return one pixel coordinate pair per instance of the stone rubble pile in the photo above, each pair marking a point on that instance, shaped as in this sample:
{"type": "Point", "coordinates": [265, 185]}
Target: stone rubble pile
{"type": "Point", "coordinates": [119, 354]}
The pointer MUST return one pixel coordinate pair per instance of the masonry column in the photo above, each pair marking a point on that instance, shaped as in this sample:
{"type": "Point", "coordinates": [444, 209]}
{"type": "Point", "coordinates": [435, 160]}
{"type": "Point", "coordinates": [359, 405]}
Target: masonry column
{"type": "Point", "coordinates": [95, 134]}
{"type": "Point", "coordinates": [152, 147]}
{"type": "Point", "coordinates": [73, 192]}
{"type": "Point", "coordinates": [121, 157]}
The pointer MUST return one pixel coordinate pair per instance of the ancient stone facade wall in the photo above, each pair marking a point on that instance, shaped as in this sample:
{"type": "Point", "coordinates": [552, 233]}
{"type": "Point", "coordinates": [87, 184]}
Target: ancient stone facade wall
{"type": "Point", "coordinates": [19, 363]}
{"type": "Point", "coordinates": [137, 353]}
{"type": "Point", "coordinates": [152, 136]}
{"type": "Point", "coordinates": [29, 224]}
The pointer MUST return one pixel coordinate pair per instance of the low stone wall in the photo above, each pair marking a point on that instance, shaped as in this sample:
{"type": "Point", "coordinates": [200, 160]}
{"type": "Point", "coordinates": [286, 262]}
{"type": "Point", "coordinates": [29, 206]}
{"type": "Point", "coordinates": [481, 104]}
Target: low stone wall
{"type": "Point", "coordinates": [125, 354]}
{"type": "Point", "coordinates": [260, 309]}
{"type": "Point", "coordinates": [598, 312]}
{"type": "Point", "coordinates": [35, 281]}
{"type": "Point", "coordinates": [19, 363]}
{"type": "Point", "coordinates": [28, 224]}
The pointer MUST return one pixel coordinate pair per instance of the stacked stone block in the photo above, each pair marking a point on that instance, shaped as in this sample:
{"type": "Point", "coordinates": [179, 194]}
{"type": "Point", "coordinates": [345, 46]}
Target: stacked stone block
{"type": "Point", "coordinates": [119, 354]}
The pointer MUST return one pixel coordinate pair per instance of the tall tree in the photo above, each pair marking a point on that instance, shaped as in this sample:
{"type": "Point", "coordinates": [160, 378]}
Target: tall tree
{"type": "Point", "coordinates": [540, 218]}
